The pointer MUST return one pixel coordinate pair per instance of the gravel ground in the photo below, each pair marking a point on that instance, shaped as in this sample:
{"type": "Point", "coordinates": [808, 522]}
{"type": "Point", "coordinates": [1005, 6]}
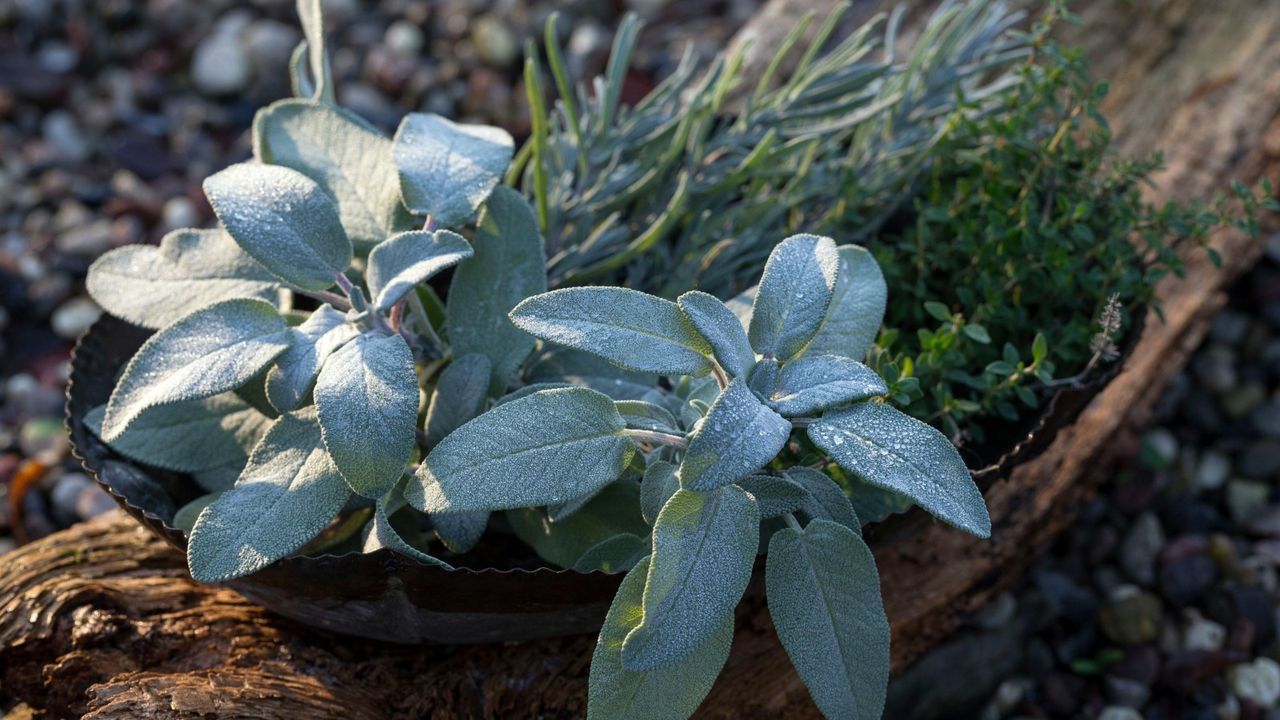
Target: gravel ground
{"type": "Point", "coordinates": [1162, 601]}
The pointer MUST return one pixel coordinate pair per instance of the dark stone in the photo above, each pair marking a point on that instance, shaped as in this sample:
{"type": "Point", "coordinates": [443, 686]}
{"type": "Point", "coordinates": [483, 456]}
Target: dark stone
{"type": "Point", "coordinates": [1184, 514]}
{"type": "Point", "coordinates": [1060, 695]}
{"type": "Point", "coordinates": [1261, 460]}
{"type": "Point", "coordinates": [1183, 580]}
{"type": "Point", "coordinates": [1065, 597]}
{"type": "Point", "coordinates": [1254, 604]}
{"type": "Point", "coordinates": [1141, 664]}
{"type": "Point", "coordinates": [957, 678]}
{"type": "Point", "coordinates": [1132, 618]}
{"type": "Point", "coordinates": [144, 155]}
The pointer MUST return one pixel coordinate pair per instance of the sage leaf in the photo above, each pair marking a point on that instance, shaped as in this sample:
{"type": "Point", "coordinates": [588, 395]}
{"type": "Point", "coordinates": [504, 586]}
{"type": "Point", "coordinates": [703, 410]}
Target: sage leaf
{"type": "Point", "coordinates": [612, 512]}
{"type": "Point", "coordinates": [289, 381]}
{"type": "Point", "coordinates": [643, 415]}
{"type": "Point", "coordinates": [704, 545]}
{"type": "Point", "coordinates": [287, 494]}
{"type": "Point", "coordinates": [543, 449]}
{"type": "Point", "coordinates": [209, 352]}
{"type": "Point", "coordinates": [824, 598]}
{"type": "Point", "coordinates": [507, 267]}
{"type": "Point", "coordinates": [384, 532]}
{"type": "Point", "coordinates": [817, 382]}
{"type": "Point", "coordinates": [776, 496]}
{"type": "Point", "coordinates": [191, 269]}
{"type": "Point", "coordinates": [889, 449]}
{"type": "Point", "coordinates": [347, 157]}
{"type": "Point", "coordinates": [367, 399]}
{"type": "Point", "coordinates": [875, 504]}
{"type": "Point", "coordinates": [831, 501]}
{"type": "Point", "coordinates": [619, 553]}
{"type": "Point", "coordinates": [448, 169]}
{"type": "Point", "coordinates": [857, 307]}
{"type": "Point", "coordinates": [656, 488]}
{"type": "Point", "coordinates": [410, 258]}
{"type": "Point", "coordinates": [737, 437]}
{"type": "Point", "coordinates": [185, 518]}
{"type": "Point", "coordinates": [459, 395]}
{"type": "Point", "coordinates": [559, 363]}
{"type": "Point", "coordinates": [320, 84]}
{"type": "Point", "coordinates": [668, 693]}
{"type": "Point", "coordinates": [717, 324]}
{"type": "Point", "coordinates": [763, 378]}
{"type": "Point", "coordinates": [189, 436]}
{"type": "Point", "coordinates": [793, 296]}
{"type": "Point", "coordinates": [284, 220]}
{"type": "Point", "coordinates": [460, 531]}
{"type": "Point", "coordinates": [628, 328]}
{"type": "Point", "coordinates": [221, 477]}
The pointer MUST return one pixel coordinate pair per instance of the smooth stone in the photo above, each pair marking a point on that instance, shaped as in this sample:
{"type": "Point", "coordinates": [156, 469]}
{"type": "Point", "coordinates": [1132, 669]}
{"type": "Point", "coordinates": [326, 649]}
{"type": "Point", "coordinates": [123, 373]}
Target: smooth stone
{"type": "Point", "coordinates": [1254, 604]}
{"type": "Point", "coordinates": [1273, 248]}
{"type": "Point", "coordinates": [269, 45]}
{"type": "Point", "coordinates": [1132, 617]}
{"type": "Point", "coordinates": [1203, 634]}
{"type": "Point", "coordinates": [1066, 597]}
{"type": "Point", "coordinates": [1159, 448]}
{"type": "Point", "coordinates": [1243, 399]}
{"type": "Point", "coordinates": [1229, 327]}
{"type": "Point", "coordinates": [1126, 693]}
{"type": "Point", "coordinates": [91, 239]}
{"type": "Point", "coordinates": [66, 491]}
{"type": "Point", "coordinates": [74, 317]}
{"type": "Point", "coordinates": [1140, 548]}
{"type": "Point", "coordinates": [1261, 459]}
{"type": "Point", "coordinates": [1118, 712]}
{"type": "Point", "coordinates": [1266, 419]}
{"type": "Point", "coordinates": [1246, 499]}
{"type": "Point", "coordinates": [220, 65]}
{"type": "Point", "coordinates": [43, 439]}
{"type": "Point", "coordinates": [494, 41]}
{"type": "Point", "coordinates": [1266, 524]}
{"type": "Point", "coordinates": [179, 212]}
{"type": "Point", "coordinates": [1257, 682]}
{"type": "Point", "coordinates": [62, 131]}
{"type": "Point", "coordinates": [1215, 368]}
{"type": "Point", "coordinates": [7, 545]}
{"type": "Point", "coordinates": [404, 39]}
{"type": "Point", "coordinates": [94, 501]}
{"type": "Point", "coordinates": [1185, 579]}
{"type": "Point", "coordinates": [1212, 471]}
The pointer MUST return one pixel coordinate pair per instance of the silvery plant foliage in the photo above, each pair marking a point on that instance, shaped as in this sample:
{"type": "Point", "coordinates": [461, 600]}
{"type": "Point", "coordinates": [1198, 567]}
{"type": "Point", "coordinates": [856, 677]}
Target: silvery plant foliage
{"type": "Point", "coordinates": [309, 376]}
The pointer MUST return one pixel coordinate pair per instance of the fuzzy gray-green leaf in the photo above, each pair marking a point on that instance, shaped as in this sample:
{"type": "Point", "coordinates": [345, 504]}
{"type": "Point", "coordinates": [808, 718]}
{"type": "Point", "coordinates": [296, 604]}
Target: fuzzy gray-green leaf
{"type": "Point", "coordinates": [311, 15]}
{"type": "Point", "coordinates": [459, 395]}
{"type": "Point", "coordinates": [448, 169]}
{"type": "Point", "coordinates": [367, 399]}
{"type": "Point", "coordinates": [617, 554]}
{"type": "Point", "coordinates": [191, 269]}
{"type": "Point", "coordinates": [613, 511]}
{"type": "Point", "coordinates": [628, 328]}
{"type": "Point", "coordinates": [793, 295]}
{"type": "Point", "coordinates": [816, 382]}
{"type": "Point", "coordinates": [889, 449]}
{"type": "Point", "coordinates": [656, 488]}
{"type": "Point", "coordinates": [460, 531]}
{"type": "Point", "coordinates": [776, 495]}
{"type": "Point", "coordinates": [647, 416]}
{"type": "Point", "coordinates": [189, 436]}
{"type": "Point", "coordinates": [831, 502]}
{"type": "Point", "coordinates": [318, 337]}
{"type": "Point", "coordinates": [557, 363]}
{"type": "Point", "coordinates": [284, 220]}
{"type": "Point", "coordinates": [508, 266]}
{"type": "Point", "coordinates": [384, 533]}
{"type": "Point", "coordinates": [667, 693]}
{"type": "Point", "coordinates": [543, 449]}
{"type": "Point", "coordinates": [824, 598]}
{"type": "Point", "coordinates": [348, 158]}
{"type": "Point", "coordinates": [287, 494]}
{"type": "Point", "coordinates": [209, 352]}
{"type": "Point", "coordinates": [409, 258]}
{"type": "Point", "coordinates": [704, 545]}
{"type": "Point", "coordinates": [737, 437]}
{"type": "Point", "coordinates": [717, 324]}
{"type": "Point", "coordinates": [857, 307]}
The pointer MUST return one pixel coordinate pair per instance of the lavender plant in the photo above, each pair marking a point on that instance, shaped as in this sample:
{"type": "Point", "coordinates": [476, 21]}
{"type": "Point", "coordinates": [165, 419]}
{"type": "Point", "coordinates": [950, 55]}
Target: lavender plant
{"type": "Point", "coordinates": [307, 374]}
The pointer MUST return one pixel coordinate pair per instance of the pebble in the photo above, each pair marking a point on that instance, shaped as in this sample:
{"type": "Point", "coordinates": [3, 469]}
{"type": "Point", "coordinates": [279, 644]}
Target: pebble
{"type": "Point", "coordinates": [1257, 682]}
{"type": "Point", "coordinates": [1273, 247]}
{"type": "Point", "coordinates": [66, 492]}
{"type": "Point", "coordinates": [220, 65]}
{"type": "Point", "coordinates": [1185, 579]}
{"type": "Point", "coordinates": [1215, 367]}
{"type": "Point", "coordinates": [1140, 548]}
{"type": "Point", "coordinates": [1261, 459]}
{"type": "Point", "coordinates": [1203, 634]}
{"type": "Point", "coordinates": [74, 317]}
{"type": "Point", "coordinates": [179, 212]}
{"type": "Point", "coordinates": [495, 44]}
{"type": "Point", "coordinates": [1246, 499]}
{"type": "Point", "coordinates": [1266, 419]}
{"type": "Point", "coordinates": [93, 501]}
{"type": "Point", "coordinates": [269, 44]}
{"type": "Point", "coordinates": [1132, 616]}
{"type": "Point", "coordinates": [404, 39]}
{"type": "Point", "coordinates": [61, 130]}
{"type": "Point", "coordinates": [1212, 471]}
{"type": "Point", "coordinates": [1159, 448]}
{"type": "Point", "coordinates": [1244, 399]}
{"type": "Point", "coordinates": [43, 439]}
{"type": "Point", "coordinates": [90, 240]}
{"type": "Point", "coordinates": [7, 545]}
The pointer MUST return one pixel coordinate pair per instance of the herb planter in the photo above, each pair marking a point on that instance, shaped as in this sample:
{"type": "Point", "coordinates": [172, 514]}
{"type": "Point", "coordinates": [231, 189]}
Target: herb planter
{"type": "Point", "coordinates": [357, 593]}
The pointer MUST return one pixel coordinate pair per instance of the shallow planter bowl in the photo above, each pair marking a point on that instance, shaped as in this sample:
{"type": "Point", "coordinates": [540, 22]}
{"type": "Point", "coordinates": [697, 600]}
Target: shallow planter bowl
{"type": "Point", "coordinates": [380, 595]}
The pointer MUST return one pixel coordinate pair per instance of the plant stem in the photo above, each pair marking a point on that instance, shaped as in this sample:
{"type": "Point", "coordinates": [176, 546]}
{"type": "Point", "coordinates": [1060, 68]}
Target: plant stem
{"type": "Point", "coordinates": [721, 379]}
{"type": "Point", "coordinates": [792, 522]}
{"type": "Point", "coordinates": [660, 438]}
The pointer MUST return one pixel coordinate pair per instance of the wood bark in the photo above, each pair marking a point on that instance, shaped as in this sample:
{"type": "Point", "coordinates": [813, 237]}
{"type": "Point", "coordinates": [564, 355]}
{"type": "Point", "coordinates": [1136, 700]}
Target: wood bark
{"type": "Point", "coordinates": [101, 621]}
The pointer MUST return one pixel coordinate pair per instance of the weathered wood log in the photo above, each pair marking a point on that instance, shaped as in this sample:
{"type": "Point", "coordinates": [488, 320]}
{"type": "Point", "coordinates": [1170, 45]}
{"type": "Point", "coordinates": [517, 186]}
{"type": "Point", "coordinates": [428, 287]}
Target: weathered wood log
{"type": "Point", "coordinates": [101, 621]}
